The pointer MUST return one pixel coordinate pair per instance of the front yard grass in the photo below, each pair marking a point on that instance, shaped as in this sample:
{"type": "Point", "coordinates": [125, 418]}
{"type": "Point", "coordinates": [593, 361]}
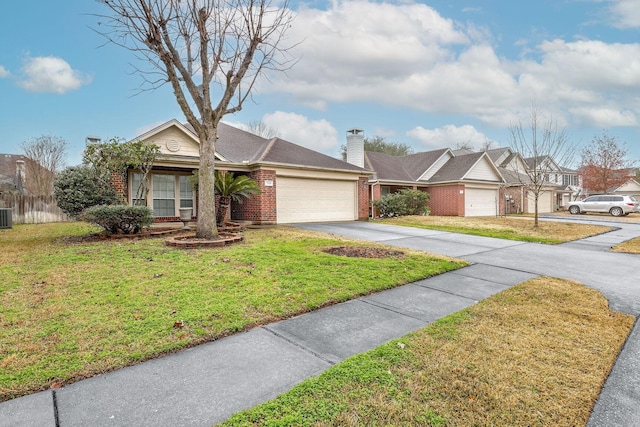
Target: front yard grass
{"type": "Point", "coordinates": [511, 227]}
{"type": "Point", "coordinates": [70, 309]}
{"type": "Point", "coordinates": [630, 246]}
{"type": "Point", "coordinates": [536, 354]}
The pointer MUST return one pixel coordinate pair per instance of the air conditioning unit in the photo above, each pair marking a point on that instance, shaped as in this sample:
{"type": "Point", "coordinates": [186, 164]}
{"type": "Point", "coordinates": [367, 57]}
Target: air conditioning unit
{"type": "Point", "coordinates": [5, 218]}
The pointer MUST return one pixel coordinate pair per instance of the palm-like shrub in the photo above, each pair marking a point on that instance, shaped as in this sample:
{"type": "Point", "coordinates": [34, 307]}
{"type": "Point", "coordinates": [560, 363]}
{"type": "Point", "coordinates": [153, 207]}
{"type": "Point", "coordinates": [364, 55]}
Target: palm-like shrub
{"type": "Point", "coordinates": [232, 188]}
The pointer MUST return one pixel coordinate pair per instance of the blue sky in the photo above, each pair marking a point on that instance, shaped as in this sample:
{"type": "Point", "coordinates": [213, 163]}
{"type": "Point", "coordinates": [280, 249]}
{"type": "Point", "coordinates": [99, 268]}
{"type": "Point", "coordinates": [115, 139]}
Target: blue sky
{"type": "Point", "coordinates": [430, 74]}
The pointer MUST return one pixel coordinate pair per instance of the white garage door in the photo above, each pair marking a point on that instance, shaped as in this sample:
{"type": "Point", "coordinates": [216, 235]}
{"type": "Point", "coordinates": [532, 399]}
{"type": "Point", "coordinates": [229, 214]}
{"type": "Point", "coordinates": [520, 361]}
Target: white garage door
{"type": "Point", "coordinates": [480, 202]}
{"type": "Point", "coordinates": [545, 202]}
{"type": "Point", "coordinates": [311, 200]}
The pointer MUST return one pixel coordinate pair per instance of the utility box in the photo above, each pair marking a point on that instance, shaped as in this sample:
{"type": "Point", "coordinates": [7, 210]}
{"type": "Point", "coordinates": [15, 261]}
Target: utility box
{"type": "Point", "coordinates": [5, 218]}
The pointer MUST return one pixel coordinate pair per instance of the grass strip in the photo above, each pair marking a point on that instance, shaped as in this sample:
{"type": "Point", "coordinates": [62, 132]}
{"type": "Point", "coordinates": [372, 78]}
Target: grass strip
{"type": "Point", "coordinates": [71, 309]}
{"type": "Point", "coordinates": [518, 228]}
{"type": "Point", "coordinates": [536, 354]}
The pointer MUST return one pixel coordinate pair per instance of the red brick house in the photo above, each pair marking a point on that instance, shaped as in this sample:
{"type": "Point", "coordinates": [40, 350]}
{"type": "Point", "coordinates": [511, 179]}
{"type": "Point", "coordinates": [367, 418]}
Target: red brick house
{"type": "Point", "coordinates": [298, 184]}
{"type": "Point", "coordinates": [466, 184]}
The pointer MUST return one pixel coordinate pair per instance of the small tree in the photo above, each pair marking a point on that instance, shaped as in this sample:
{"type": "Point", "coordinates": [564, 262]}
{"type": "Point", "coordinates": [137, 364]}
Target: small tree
{"type": "Point", "coordinates": [47, 154]}
{"type": "Point", "coordinates": [604, 164]}
{"type": "Point", "coordinates": [80, 187]}
{"type": "Point", "coordinates": [230, 187]}
{"type": "Point", "coordinates": [543, 142]}
{"type": "Point", "coordinates": [116, 156]}
{"type": "Point", "coordinates": [380, 144]}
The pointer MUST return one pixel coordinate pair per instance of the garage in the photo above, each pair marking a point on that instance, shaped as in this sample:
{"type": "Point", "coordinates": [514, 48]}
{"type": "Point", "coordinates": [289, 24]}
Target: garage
{"type": "Point", "coordinates": [313, 200]}
{"type": "Point", "coordinates": [545, 202]}
{"type": "Point", "coordinates": [480, 202]}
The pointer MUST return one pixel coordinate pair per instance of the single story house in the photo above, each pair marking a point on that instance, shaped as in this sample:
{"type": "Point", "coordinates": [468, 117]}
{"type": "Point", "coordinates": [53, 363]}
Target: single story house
{"type": "Point", "coordinates": [458, 185]}
{"type": "Point", "coordinates": [298, 184]}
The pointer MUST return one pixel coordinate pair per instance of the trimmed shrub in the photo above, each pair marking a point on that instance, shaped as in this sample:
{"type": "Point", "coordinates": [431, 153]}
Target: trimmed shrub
{"type": "Point", "coordinates": [119, 219]}
{"type": "Point", "coordinates": [404, 202]}
{"type": "Point", "coordinates": [78, 187]}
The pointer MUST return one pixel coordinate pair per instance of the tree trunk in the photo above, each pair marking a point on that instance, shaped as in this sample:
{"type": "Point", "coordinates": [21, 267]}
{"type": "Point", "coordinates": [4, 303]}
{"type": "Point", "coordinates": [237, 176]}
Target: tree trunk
{"type": "Point", "coordinates": [206, 224]}
{"type": "Point", "coordinates": [221, 214]}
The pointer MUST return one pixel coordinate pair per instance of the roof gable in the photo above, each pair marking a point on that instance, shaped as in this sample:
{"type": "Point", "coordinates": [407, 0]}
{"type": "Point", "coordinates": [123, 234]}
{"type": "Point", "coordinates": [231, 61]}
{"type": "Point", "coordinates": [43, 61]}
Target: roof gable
{"type": "Point", "coordinates": [631, 186]}
{"type": "Point", "coordinates": [475, 167]}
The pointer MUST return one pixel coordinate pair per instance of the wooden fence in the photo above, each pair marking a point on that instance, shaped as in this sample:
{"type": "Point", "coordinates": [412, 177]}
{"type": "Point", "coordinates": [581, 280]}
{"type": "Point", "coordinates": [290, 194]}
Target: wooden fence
{"type": "Point", "coordinates": [32, 209]}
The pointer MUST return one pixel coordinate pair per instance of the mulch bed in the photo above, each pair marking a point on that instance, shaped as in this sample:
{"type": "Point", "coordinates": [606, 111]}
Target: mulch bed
{"type": "Point", "coordinates": [363, 252]}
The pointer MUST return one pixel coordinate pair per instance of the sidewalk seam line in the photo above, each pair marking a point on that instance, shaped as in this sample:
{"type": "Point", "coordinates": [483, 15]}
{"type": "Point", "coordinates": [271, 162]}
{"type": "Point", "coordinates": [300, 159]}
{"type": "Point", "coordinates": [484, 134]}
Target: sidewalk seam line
{"type": "Point", "coordinates": [56, 416]}
{"type": "Point", "coordinates": [290, 341]}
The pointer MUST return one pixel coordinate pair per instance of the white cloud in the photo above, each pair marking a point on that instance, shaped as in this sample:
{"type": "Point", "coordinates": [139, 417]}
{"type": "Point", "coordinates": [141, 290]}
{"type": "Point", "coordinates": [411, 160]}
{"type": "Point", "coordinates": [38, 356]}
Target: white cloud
{"type": "Point", "coordinates": [605, 117]}
{"type": "Point", "coordinates": [409, 56]}
{"type": "Point", "coordinates": [51, 75]}
{"type": "Point", "coordinates": [448, 136]}
{"type": "Point", "coordinates": [317, 135]}
{"type": "Point", "coordinates": [4, 72]}
{"type": "Point", "coordinates": [625, 13]}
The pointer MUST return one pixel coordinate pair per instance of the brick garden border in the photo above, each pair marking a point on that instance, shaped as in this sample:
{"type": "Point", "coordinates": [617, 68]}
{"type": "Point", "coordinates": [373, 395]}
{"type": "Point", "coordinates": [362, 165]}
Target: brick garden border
{"type": "Point", "coordinates": [190, 241]}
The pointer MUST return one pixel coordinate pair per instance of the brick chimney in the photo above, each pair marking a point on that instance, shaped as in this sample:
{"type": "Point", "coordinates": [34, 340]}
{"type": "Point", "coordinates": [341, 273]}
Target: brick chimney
{"type": "Point", "coordinates": [355, 147]}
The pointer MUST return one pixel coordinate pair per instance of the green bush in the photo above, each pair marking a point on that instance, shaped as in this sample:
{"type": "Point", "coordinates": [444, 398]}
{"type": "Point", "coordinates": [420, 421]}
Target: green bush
{"type": "Point", "coordinates": [404, 202]}
{"type": "Point", "coordinates": [119, 219]}
{"type": "Point", "coordinates": [78, 187]}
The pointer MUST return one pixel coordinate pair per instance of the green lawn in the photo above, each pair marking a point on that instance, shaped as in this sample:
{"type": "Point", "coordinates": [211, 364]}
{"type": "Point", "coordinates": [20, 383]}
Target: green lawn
{"type": "Point", "coordinates": [70, 309]}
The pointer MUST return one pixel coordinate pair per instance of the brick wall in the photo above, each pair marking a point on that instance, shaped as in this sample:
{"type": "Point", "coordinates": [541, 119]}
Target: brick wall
{"type": "Point", "coordinates": [446, 200]}
{"type": "Point", "coordinates": [259, 208]}
{"type": "Point", "coordinates": [120, 184]}
{"type": "Point", "coordinates": [363, 198]}
{"type": "Point", "coordinates": [515, 204]}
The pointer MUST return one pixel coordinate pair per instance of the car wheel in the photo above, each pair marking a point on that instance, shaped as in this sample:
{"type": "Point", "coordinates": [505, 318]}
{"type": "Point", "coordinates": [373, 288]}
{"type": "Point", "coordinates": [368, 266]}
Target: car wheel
{"type": "Point", "coordinates": [574, 210]}
{"type": "Point", "coordinates": [616, 211]}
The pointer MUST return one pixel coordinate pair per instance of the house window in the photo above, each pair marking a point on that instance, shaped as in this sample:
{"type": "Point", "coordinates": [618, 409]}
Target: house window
{"type": "Point", "coordinates": [138, 191]}
{"type": "Point", "coordinates": [164, 195]}
{"type": "Point", "coordinates": [186, 193]}
{"type": "Point", "coordinates": [385, 190]}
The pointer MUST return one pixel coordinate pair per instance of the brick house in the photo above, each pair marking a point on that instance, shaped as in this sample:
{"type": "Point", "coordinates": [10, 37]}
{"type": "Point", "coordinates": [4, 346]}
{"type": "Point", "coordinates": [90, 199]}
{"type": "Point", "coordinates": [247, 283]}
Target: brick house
{"type": "Point", "coordinates": [466, 184]}
{"type": "Point", "coordinates": [298, 184]}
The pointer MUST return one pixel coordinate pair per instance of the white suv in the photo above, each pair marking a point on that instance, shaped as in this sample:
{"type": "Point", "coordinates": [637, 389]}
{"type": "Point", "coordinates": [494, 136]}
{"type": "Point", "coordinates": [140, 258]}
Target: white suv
{"type": "Point", "coordinates": [616, 205]}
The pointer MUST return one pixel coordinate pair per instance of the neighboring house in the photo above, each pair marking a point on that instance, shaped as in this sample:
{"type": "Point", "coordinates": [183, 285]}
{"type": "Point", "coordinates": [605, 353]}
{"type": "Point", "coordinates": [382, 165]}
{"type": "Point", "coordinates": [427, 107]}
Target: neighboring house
{"type": "Point", "coordinates": [458, 185]}
{"type": "Point", "coordinates": [631, 188]}
{"type": "Point", "coordinates": [298, 184]}
{"type": "Point", "coordinates": [519, 198]}
{"type": "Point", "coordinates": [12, 174]}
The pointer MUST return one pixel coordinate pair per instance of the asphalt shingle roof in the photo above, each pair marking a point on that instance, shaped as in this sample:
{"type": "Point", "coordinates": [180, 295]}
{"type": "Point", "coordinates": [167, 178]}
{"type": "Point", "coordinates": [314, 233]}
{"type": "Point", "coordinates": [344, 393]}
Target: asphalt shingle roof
{"type": "Point", "coordinates": [456, 168]}
{"type": "Point", "coordinates": [239, 146]}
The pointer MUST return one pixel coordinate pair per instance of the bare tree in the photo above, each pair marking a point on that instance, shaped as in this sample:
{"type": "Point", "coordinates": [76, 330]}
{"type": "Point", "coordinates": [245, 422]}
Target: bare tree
{"type": "Point", "coordinates": [260, 128]}
{"type": "Point", "coordinates": [544, 145]}
{"type": "Point", "coordinates": [203, 49]}
{"type": "Point", "coordinates": [379, 144]}
{"type": "Point", "coordinates": [48, 156]}
{"type": "Point", "coordinates": [605, 164]}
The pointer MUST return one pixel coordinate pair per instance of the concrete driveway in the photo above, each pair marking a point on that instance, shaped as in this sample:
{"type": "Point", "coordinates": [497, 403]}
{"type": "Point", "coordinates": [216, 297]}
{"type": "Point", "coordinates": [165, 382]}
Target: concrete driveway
{"type": "Point", "coordinates": [588, 261]}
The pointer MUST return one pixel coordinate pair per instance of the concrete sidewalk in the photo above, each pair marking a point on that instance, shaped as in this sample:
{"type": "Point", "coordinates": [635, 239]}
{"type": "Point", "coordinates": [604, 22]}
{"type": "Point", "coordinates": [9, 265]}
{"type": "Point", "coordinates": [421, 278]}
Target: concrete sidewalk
{"type": "Point", "coordinates": [205, 385]}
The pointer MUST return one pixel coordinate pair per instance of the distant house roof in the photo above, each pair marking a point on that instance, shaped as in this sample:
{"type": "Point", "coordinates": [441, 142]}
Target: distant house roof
{"type": "Point", "coordinates": [456, 168]}
{"type": "Point", "coordinates": [402, 168]}
{"type": "Point", "coordinates": [8, 174]}
{"type": "Point", "coordinates": [444, 164]}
